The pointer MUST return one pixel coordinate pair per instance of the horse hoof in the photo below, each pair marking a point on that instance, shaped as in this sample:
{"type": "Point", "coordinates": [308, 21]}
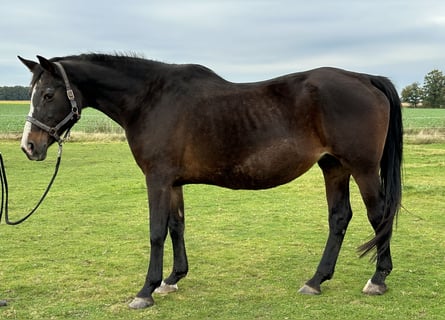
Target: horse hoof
{"type": "Point", "coordinates": [141, 303]}
{"type": "Point", "coordinates": [166, 288]}
{"type": "Point", "coordinates": [309, 290]}
{"type": "Point", "coordinates": [374, 289]}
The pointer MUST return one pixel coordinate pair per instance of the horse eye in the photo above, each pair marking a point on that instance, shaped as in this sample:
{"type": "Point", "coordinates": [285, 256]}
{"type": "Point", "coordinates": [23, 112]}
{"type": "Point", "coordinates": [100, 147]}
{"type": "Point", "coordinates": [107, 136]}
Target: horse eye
{"type": "Point", "coordinates": [49, 94]}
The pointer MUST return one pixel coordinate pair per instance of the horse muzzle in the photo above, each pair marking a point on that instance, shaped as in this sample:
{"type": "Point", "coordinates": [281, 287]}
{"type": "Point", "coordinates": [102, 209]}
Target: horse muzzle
{"type": "Point", "coordinates": [35, 149]}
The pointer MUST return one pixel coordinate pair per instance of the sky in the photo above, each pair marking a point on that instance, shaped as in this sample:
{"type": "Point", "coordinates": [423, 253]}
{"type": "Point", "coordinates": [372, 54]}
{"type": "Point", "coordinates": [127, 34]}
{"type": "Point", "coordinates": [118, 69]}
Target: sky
{"type": "Point", "coordinates": [241, 40]}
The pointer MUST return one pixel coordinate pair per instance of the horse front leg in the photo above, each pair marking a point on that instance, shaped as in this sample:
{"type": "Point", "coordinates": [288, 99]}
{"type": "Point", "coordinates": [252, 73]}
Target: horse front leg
{"type": "Point", "coordinates": [176, 228]}
{"type": "Point", "coordinates": [340, 213]}
{"type": "Point", "coordinates": [159, 199]}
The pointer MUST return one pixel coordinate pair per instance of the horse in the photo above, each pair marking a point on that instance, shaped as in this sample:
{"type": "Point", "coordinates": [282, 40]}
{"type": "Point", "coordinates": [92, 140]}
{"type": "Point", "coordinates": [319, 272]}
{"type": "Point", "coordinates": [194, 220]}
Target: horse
{"type": "Point", "coordinates": [187, 125]}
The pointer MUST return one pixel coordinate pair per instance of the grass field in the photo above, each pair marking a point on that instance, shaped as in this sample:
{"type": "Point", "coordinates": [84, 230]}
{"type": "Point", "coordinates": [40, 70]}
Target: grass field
{"type": "Point", "coordinates": [84, 253]}
{"type": "Point", "coordinates": [424, 125]}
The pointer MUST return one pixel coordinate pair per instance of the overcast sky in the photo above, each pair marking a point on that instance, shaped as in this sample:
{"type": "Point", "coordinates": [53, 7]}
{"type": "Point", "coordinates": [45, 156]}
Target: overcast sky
{"type": "Point", "coordinates": [240, 40]}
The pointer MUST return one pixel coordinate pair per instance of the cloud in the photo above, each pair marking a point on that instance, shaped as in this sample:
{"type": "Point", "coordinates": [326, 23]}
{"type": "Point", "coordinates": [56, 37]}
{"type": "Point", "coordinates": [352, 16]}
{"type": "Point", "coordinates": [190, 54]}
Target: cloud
{"type": "Point", "coordinates": [243, 41]}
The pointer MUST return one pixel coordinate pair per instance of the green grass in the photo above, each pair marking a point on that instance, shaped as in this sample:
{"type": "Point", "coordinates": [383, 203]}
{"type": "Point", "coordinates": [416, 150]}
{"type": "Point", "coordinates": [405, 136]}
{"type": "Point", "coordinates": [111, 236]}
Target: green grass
{"type": "Point", "coordinates": [12, 116]}
{"type": "Point", "coordinates": [84, 254]}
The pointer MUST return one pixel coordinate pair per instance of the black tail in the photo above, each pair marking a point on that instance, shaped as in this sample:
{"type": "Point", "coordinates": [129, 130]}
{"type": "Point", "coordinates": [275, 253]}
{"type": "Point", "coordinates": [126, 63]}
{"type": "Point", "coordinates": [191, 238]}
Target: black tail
{"type": "Point", "coordinates": [390, 167]}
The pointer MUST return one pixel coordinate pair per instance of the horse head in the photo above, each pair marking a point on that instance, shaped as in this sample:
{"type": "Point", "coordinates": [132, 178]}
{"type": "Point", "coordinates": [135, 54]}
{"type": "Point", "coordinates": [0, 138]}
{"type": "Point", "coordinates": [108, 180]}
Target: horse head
{"type": "Point", "coordinates": [53, 108]}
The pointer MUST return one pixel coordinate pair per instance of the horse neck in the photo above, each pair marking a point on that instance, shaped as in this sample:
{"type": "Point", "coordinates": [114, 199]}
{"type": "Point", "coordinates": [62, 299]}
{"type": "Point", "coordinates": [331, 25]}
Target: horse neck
{"type": "Point", "coordinates": [107, 89]}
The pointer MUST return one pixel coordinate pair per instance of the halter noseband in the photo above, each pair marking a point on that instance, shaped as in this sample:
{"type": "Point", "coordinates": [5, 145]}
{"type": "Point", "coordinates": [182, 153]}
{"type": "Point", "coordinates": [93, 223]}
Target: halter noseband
{"type": "Point", "coordinates": [73, 115]}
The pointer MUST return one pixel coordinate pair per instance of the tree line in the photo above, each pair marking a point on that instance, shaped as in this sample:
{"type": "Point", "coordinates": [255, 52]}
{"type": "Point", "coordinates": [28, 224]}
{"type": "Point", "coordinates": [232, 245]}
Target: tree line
{"type": "Point", "coordinates": [14, 93]}
{"type": "Point", "coordinates": [430, 95]}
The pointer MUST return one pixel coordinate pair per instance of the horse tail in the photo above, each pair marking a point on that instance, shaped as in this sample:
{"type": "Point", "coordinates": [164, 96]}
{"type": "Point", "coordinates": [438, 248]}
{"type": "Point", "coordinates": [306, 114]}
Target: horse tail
{"type": "Point", "coordinates": [390, 167]}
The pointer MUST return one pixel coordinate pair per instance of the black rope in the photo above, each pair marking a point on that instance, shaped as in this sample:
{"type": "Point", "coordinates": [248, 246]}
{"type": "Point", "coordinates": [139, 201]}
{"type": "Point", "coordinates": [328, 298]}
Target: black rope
{"type": "Point", "coordinates": [4, 183]}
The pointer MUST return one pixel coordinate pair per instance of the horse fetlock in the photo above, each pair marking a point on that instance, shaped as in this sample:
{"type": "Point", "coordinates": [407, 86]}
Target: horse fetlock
{"type": "Point", "coordinates": [141, 303]}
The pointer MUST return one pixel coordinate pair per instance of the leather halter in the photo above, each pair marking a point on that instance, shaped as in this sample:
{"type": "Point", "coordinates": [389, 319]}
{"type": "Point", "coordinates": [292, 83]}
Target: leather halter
{"type": "Point", "coordinates": [73, 115]}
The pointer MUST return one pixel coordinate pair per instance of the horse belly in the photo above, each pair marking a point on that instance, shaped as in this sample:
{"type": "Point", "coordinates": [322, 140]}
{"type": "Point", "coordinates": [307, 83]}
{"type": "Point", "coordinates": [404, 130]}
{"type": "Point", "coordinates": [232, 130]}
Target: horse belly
{"type": "Point", "coordinates": [266, 169]}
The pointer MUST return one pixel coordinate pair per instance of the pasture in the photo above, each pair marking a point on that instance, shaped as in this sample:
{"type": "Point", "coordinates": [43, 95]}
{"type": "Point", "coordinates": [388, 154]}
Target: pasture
{"type": "Point", "coordinates": [84, 254]}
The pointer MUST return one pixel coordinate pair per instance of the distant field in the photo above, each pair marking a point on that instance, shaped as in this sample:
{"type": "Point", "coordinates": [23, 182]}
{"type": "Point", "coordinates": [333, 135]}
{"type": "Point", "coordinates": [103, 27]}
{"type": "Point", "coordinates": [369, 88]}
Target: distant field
{"type": "Point", "coordinates": [420, 125]}
{"type": "Point", "coordinates": [24, 102]}
{"type": "Point", "coordinates": [421, 119]}
{"type": "Point", "coordinates": [424, 125]}
{"type": "Point", "coordinates": [12, 118]}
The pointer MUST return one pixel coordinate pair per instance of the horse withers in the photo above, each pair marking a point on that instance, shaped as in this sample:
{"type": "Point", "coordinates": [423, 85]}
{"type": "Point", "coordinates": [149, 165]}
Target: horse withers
{"type": "Point", "coordinates": [187, 125]}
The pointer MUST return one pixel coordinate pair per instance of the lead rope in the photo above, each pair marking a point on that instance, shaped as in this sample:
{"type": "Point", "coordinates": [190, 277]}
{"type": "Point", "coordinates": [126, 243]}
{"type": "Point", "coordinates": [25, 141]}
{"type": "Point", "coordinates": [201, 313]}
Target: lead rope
{"type": "Point", "coordinates": [4, 183]}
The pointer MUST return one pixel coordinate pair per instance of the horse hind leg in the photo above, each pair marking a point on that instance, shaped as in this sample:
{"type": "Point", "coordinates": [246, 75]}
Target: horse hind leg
{"type": "Point", "coordinates": [340, 213]}
{"type": "Point", "coordinates": [370, 189]}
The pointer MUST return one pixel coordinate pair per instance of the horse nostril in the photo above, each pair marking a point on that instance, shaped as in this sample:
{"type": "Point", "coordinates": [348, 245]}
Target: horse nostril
{"type": "Point", "coordinates": [28, 148]}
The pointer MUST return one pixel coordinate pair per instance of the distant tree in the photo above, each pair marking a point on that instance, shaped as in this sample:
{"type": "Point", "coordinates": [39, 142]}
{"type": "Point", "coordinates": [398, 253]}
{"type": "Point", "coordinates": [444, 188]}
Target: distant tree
{"type": "Point", "coordinates": [412, 94]}
{"type": "Point", "coordinates": [434, 89]}
{"type": "Point", "coordinates": [14, 93]}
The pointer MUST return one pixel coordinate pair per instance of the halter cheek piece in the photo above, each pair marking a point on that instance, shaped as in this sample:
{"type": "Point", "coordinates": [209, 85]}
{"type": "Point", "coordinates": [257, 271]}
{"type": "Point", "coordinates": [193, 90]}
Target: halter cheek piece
{"type": "Point", "coordinates": [73, 115]}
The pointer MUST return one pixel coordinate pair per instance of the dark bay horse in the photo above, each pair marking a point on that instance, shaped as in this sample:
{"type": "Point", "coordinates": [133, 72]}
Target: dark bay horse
{"type": "Point", "coordinates": [185, 124]}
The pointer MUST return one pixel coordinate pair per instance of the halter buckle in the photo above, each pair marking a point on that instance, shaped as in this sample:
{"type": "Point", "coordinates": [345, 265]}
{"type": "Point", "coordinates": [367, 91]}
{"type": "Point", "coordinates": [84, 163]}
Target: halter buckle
{"type": "Point", "coordinates": [70, 94]}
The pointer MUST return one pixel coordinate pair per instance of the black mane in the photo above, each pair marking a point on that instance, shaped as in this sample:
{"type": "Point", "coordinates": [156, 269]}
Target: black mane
{"type": "Point", "coordinates": [133, 63]}
{"type": "Point", "coordinates": [103, 58]}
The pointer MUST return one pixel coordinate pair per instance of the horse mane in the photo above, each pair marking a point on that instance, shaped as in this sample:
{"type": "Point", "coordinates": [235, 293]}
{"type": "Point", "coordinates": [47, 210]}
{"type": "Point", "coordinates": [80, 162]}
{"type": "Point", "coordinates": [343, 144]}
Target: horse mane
{"type": "Point", "coordinates": [98, 58]}
{"type": "Point", "coordinates": [103, 57]}
{"type": "Point", "coordinates": [133, 62]}
{"type": "Point", "coordinates": [111, 60]}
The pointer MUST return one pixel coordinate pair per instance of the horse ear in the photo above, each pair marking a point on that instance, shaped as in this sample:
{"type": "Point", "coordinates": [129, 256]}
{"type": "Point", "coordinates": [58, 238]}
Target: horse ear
{"type": "Point", "coordinates": [28, 63]}
{"type": "Point", "coordinates": [47, 65]}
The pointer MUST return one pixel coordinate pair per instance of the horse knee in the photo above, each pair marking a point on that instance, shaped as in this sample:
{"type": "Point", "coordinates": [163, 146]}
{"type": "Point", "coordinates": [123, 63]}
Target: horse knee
{"type": "Point", "coordinates": [157, 240]}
